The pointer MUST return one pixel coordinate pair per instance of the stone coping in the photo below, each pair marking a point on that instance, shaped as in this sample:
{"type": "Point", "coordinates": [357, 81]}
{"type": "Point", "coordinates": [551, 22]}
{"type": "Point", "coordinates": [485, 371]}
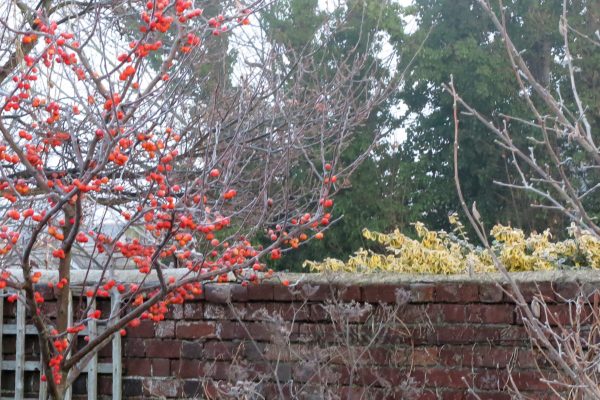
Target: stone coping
{"type": "Point", "coordinates": [133, 276]}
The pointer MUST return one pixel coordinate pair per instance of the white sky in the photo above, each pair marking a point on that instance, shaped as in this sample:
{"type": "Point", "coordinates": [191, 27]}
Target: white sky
{"type": "Point", "coordinates": [398, 135]}
{"type": "Point", "coordinates": [253, 34]}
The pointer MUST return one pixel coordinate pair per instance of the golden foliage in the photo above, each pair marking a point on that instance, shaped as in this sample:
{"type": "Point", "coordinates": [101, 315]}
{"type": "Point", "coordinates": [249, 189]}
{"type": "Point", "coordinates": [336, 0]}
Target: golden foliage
{"type": "Point", "coordinates": [439, 252]}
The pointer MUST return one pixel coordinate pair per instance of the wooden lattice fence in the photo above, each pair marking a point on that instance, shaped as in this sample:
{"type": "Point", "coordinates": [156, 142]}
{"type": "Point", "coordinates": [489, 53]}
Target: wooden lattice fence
{"type": "Point", "coordinates": [20, 329]}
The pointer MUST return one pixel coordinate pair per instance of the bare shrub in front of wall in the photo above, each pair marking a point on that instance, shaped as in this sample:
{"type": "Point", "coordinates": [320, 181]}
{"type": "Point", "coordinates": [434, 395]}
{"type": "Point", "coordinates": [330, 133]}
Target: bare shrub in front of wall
{"type": "Point", "coordinates": [339, 354]}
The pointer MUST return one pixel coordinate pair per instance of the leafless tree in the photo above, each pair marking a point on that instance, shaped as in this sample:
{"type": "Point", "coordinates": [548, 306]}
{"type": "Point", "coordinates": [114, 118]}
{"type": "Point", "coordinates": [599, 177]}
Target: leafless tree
{"type": "Point", "coordinates": [562, 122]}
{"type": "Point", "coordinates": [336, 357]}
{"type": "Point", "coordinates": [127, 144]}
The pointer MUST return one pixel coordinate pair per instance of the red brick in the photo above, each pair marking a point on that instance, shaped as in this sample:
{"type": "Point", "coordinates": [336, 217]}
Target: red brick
{"type": "Point", "coordinates": [451, 394]}
{"type": "Point", "coordinates": [563, 314]}
{"type": "Point", "coordinates": [230, 330]}
{"type": "Point", "coordinates": [284, 293]}
{"type": "Point", "coordinates": [271, 312]}
{"type": "Point", "coordinates": [192, 349]}
{"type": "Point", "coordinates": [347, 292]}
{"type": "Point", "coordinates": [254, 351]}
{"type": "Point", "coordinates": [195, 330]}
{"type": "Point", "coordinates": [225, 293]}
{"type": "Point", "coordinates": [134, 347]}
{"type": "Point", "coordinates": [304, 291]}
{"type": "Point", "coordinates": [146, 367]}
{"type": "Point", "coordinates": [424, 356]}
{"type": "Point", "coordinates": [441, 377]}
{"type": "Point", "coordinates": [239, 293]}
{"type": "Point", "coordinates": [464, 394]}
{"type": "Point", "coordinates": [490, 313]}
{"type": "Point", "coordinates": [567, 290]}
{"type": "Point", "coordinates": [230, 311]}
{"type": "Point", "coordinates": [161, 367]}
{"type": "Point", "coordinates": [131, 387]}
{"type": "Point", "coordinates": [163, 348]}
{"type": "Point", "coordinates": [265, 331]}
{"type": "Point", "coordinates": [353, 393]}
{"type": "Point", "coordinates": [162, 388]}
{"type": "Point", "coordinates": [529, 290]}
{"type": "Point", "coordinates": [456, 292]}
{"type": "Point", "coordinates": [175, 311]}
{"type": "Point", "coordinates": [513, 335]}
{"type": "Point", "coordinates": [422, 292]}
{"type": "Point", "coordinates": [282, 370]}
{"type": "Point", "coordinates": [417, 313]}
{"type": "Point", "coordinates": [425, 394]}
{"type": "Point", "coordinates": [318, 313]}
{"type": "Point", "coordinates": [315, 291]}
{"type": "Point", "coordinates": [590, 290]}
{"type": "Point", "coordinates": [324, 332]}
{"type": "Point", "coordinates": [370, 375]}
{"type": "Point", "coordinates": [453, 313]}
{"type": "Point", "coordinates": [215, 350]}
{"type": "Point", "coordinates": [192, 311]}
{"type": "Point", "coordinates": [310, 372]}
{"type": "Point", "coordinates": [260, 291]}
{"type": "Point", "coordinates": [380, 293]}
{"type": "Point", "coordinates": [164, 329]}
{"type": "Point", "coordinates": [491, 379]}
{"type": "Point", "coordinates": [530, 380]}
{"type": "Point", "coordinates": [490, 292]}
{"type": "Point", "coordinates": [481, 356]}
{"type": "Point", "coordinates": [185, 369]}
{"type": "Point", "coordinates": [495, 395]}
{"type": "Point", "coordinates": [414, 335]}
{"type": "Point", "coordinates": [223, 370]}
{"type": "Point", "coordinates": [144, 330]}
{"type": "Point", "coordinates": [193, 389]}
{"type": "Point", "coordinates": [284, 352]}
{"type": "Point", "coordinates": [137, 366]}
{"type": "Point", "coordinates": [468, 334]}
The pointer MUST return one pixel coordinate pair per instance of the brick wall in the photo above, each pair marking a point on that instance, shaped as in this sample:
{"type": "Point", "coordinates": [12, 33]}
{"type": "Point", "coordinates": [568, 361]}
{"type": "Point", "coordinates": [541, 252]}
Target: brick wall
{"type": "Point", "coordinates": [353, 340]}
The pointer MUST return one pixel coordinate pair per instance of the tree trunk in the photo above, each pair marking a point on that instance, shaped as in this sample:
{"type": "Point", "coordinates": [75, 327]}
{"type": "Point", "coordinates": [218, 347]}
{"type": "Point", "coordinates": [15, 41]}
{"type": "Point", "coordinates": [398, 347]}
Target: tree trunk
{"type": "Point", "coordinates": [64, 295]}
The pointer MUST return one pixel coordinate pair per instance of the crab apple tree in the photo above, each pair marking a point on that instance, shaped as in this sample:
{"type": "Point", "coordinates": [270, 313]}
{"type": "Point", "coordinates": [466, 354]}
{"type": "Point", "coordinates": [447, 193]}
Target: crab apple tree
{"type": "Point", "coordinates": [124, 146]}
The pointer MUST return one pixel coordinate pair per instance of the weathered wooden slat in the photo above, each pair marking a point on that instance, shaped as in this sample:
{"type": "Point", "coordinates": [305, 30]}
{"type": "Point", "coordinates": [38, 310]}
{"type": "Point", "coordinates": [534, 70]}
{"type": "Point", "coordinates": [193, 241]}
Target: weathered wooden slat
{"type": "Point", "coordinates": [115, 302]}
{"type": "Point", "coordinates": [20, 349]}
{"type": "Point", "coordinates": [11, 329]}
{"type": "Point", "coordinates": [12, 398]}
{"type": "Point", "coordinates": [10, 365]}
{"type": "Point", "coordinates": [105, 368]}
{"type": "Point", "coordinates": [92, 369]}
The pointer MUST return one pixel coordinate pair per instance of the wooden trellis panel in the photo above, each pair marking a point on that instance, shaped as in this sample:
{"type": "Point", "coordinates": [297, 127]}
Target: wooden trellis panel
{"type": "Point", "coordinates": [20, 329]}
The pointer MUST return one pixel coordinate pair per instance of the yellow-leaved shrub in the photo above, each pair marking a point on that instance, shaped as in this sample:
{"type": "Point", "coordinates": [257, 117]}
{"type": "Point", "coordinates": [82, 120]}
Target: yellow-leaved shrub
{"type": "Point", "coordinates": [439, 252]}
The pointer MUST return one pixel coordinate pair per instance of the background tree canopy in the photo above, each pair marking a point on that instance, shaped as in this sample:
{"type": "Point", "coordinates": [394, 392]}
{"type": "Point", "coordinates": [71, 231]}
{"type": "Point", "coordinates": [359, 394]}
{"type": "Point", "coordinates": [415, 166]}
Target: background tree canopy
{"type": "Point", "coordinates": [401, 183]}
